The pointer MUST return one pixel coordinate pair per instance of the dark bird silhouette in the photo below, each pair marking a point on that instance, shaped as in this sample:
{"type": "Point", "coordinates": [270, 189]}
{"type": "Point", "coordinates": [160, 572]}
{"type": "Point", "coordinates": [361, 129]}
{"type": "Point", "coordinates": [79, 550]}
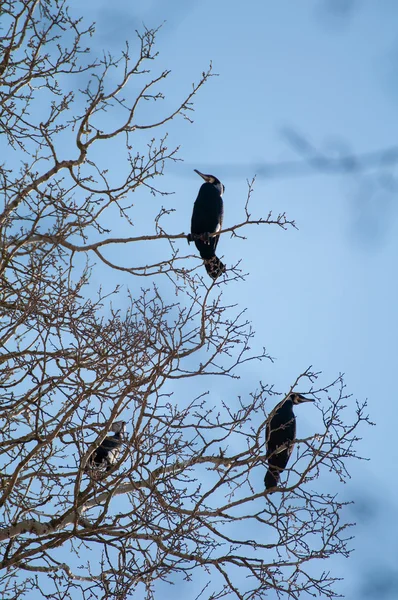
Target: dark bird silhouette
{"type": "Point", "coordinates": [207, 217]}
{"type": "Point", "coordinates": [106, 455]}
{"type": "Point", "coordinates": [281, 436]}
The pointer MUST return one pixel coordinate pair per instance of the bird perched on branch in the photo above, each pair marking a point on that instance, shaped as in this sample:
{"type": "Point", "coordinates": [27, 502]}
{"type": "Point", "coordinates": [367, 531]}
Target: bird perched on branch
{"type": "Point", "coordinates": [206, 221]}
{"type": "Point", "coordinates": [106, 455]}
{"type": "Point", "coordinates": [281, 436]}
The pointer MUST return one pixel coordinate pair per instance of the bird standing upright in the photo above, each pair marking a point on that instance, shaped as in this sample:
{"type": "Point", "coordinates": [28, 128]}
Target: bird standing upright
{"type": "Point", "coordinates": [207, 217]}
{"type": "Point", "coordinates": [281, 436]}
{"type": "Point", "coordinates": [105, 456]}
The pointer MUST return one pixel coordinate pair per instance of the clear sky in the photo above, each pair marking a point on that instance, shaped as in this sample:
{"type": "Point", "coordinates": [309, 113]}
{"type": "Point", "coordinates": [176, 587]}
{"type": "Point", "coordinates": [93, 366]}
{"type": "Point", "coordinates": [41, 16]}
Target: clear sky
{"type": "Point", "coordinates": [326, 294]}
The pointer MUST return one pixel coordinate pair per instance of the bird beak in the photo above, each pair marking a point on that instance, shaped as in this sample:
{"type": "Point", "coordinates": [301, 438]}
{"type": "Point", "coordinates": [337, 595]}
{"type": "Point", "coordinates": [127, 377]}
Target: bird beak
{"type": "Point", "coordinates": [305, 399]}
{"type": "Point", "coordinates": [205, 177]}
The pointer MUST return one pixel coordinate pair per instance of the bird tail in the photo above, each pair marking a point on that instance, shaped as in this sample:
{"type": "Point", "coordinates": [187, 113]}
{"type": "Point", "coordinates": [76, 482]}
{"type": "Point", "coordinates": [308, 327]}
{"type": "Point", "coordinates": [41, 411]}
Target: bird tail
{"type": "Point", "coordinates": [271, 479]}
{"type": "Point", "coordinates": [214, 267]}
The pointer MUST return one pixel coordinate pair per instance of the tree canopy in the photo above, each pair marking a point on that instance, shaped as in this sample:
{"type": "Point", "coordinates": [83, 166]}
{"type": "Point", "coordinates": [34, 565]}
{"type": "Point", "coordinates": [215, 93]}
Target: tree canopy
{"type": "Point", "coordinates": [186, 496]}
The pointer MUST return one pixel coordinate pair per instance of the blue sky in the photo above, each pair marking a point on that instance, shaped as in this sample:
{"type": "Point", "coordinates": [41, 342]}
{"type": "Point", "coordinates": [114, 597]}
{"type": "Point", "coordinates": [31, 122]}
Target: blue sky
{"type": "Point", "coordinates": [326, 294]}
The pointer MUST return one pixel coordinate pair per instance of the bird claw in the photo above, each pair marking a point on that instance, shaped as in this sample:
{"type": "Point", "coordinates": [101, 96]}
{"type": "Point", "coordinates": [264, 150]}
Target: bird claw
{"type": "Point", "coordinates": [203, 237]}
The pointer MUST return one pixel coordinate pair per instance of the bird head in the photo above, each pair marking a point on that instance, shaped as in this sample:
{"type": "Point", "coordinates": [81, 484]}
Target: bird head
{"type": "Point", "coordinates": [299, 398]}
{"type": "Point", "coordinates": [213, 180]}
{"type": "Point", "coordinates": [118, 427]}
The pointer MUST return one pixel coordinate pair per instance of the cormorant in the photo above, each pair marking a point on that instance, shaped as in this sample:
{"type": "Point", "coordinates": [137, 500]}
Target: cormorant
{"type": "Point", "coordinates": [281, 436]}
{"type": "Point", "coordinates": [207, 219]}
{"type": "Point", "coordinates": [105, 456]}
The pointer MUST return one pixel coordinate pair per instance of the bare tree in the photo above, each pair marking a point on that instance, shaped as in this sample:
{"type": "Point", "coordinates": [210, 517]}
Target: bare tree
{"type": "Point", "coordinates": [186, 495]}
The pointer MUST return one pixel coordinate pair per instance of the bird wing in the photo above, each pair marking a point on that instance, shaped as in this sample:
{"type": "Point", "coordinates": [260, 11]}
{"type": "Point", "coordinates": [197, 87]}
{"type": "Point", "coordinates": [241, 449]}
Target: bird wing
{"type": "Point", "coordinates": [207, 211]}
{"type": "Point", "coordinates": [102, 453]}
{"type": "Point", "coordinates": [110, 443]}
{"type": "Point", "coordinates": [281, 458]}
{"type": "Point", "coordinates": [279, 435]}
{"type": "Point", "coordinates": [271, 435]}
{"type": "Point", "coordinates": [113, 455]}
{"type": "Point", "coordinates": [219, 226]}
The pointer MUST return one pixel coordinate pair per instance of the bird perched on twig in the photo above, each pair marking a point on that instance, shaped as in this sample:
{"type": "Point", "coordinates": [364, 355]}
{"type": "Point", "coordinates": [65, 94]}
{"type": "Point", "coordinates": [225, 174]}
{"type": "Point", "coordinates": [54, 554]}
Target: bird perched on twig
{"type": "Point", "coordinates": [281, 436]}
{"type": "Point", "coordinates": [106, 455]}
{"type": "Point", "coordinates": [207, 217]}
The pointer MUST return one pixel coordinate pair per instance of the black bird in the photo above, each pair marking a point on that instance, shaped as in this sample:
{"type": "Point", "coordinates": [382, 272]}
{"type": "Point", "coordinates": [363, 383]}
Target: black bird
{"type": "Point", "coordinates": [105, 456]}
{"type": "Point", "coordinates": [207, 217]}
{"type": "Point", "coordinates": [281, 436]}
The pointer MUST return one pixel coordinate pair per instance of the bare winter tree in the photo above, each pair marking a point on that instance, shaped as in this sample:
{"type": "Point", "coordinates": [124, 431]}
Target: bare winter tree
{"type": "Point", "coordinates": [185, 499]}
